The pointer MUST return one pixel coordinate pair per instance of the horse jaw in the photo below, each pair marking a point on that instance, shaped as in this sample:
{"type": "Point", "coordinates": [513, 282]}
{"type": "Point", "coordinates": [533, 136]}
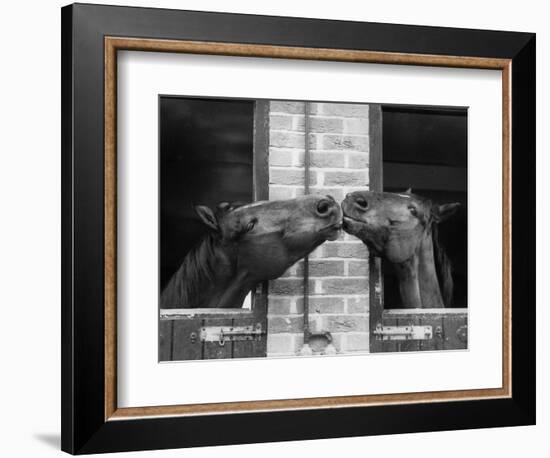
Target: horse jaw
{"type": "Point", "coordinates": [374, 238]}
{"type": "Point", "coordinates": [418, 283]}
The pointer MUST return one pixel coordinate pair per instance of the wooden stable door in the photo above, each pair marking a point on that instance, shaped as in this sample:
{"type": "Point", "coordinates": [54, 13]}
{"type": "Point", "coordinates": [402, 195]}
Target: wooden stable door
{"type": "Point", "coordinates": [194, 334]}
{"type": "Point", "coordinates": [212, 150]}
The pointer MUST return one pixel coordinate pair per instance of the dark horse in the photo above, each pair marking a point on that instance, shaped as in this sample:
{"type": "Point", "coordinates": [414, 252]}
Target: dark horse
{"type": "Point", "coordinates": [403, 229]}
{"type": "Point", "coordinates": [248, 244]}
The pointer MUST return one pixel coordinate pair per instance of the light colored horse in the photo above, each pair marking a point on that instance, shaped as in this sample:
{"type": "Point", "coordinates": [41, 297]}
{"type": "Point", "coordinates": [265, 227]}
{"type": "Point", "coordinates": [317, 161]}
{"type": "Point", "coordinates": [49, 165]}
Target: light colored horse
{"type": "Point", "coordinates": [403, 229]}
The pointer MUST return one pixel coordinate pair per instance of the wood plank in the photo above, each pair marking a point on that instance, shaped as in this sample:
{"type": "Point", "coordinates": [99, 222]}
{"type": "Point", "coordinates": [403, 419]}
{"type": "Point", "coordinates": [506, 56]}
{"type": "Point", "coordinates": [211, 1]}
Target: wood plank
{"type": "Point", "coordinates": [175, 314]}
{"type": "Point", "coordinates": [183, 347]}
{"type": "Point", "coordinates": [250, 348]}
{"type": "Point", "coordinates": [451, 325]}
{"type": "Point", "coordinates": [376, 298]}
{"type": "Point", "coordinates": [389, 346]}
{"type": "Point", "coordinates": [408, 345]}
{"type": "Point", "coordinates": [446, 339]}
{"type": "Point", "coordinates": [261, 148]}
{"type": "Point", "coordinates": [436, 342]}
{"type": "Point", "coordinates": [165, 340]}
{"type": "Point", "coordinates": [430, 317]}
{"type": "Point", "coordinates": [213, 350]}
{"type": "Point", "coordinates": [416, 312]}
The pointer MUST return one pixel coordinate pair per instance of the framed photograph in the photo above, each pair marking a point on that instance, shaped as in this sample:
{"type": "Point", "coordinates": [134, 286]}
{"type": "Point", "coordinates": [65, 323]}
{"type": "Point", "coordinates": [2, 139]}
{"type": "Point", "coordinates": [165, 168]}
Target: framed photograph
{"type": "Point", "coordinates": [281, 228]}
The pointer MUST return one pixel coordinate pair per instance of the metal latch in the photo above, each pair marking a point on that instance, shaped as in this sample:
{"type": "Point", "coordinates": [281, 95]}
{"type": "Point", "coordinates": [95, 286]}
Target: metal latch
{"type": "Point", "coordinates": [222, 334]}
{"type": "Point", "coordinates": [403, 332]}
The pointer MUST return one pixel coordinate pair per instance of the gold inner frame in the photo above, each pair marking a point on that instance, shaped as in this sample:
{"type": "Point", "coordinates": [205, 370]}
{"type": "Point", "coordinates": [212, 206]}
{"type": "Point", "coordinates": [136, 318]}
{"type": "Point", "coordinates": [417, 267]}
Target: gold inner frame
{"type": "Point", "coordinates": [114, 44]}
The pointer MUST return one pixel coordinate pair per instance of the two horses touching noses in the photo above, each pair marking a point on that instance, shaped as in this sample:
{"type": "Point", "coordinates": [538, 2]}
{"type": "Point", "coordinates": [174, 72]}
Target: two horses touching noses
{"type": "Point", "coordinates": [248, 244]}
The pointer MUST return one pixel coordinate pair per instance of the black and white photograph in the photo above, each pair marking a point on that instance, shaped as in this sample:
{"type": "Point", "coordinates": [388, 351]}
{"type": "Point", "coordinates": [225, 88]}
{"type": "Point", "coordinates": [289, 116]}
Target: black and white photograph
{"type": "Point", "coordinates": [274, 229]}
{"type": "Point", "coordinates": [293, 228]}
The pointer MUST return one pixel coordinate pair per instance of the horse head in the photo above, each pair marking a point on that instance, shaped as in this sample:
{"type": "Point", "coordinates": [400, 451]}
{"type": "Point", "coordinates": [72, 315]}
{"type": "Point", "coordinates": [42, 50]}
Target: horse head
{"type": "Point", "coordinates": [400, 228]}
{"type": "Point", "coordinates": [247, 244]}
{"type": "Point", "coordinates": [265, 238]}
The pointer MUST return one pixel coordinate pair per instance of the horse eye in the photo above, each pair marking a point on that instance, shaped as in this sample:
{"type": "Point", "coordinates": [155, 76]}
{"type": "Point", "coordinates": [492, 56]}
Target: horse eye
{"type": "Point", "coordinates": [413, 210]}
{"type": "Point", "coordinates": [250, 225]}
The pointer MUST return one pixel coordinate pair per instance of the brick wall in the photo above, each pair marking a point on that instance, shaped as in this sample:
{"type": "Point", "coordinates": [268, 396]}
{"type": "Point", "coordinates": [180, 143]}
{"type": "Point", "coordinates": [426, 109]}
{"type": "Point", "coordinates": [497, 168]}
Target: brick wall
{"type": "Point", "coordinates": [338, 271]}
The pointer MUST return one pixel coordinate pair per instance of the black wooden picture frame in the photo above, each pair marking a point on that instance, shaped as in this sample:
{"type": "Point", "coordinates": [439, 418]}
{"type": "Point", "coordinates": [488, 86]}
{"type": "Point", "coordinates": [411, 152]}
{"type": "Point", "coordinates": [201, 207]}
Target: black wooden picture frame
{"type": "Point", "coordinates": [87, 426]}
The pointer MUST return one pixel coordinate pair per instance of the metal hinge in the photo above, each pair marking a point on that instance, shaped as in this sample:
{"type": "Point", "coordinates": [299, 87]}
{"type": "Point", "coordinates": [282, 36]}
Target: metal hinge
{"type": "Point", "coordinates": [403, 332]}
{"type": "Point", "coordinates": [222, 334]}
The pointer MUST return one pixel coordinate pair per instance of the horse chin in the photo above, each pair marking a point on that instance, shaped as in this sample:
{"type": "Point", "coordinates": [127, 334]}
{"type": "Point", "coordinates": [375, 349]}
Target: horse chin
{"type": "Point", "coordinates": [367, 233]}
{"type": "Point", "coordinates": [333, 235]}
{"type": "Point", "coordinates": [331, 232]}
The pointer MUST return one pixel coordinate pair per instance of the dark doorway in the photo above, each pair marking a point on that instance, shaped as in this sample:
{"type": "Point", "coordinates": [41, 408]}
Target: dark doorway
{"type": "Point", "coordinates": [206, 157]}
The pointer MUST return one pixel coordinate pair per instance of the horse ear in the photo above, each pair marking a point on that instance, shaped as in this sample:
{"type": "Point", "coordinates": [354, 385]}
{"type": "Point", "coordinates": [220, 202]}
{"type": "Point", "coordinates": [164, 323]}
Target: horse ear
{"type": "Point", "coordinates": [445, 211]}
{"type": "Point", "coordinates": [207, 217]}
{"type": "Point", "coordinates": [408, 191]}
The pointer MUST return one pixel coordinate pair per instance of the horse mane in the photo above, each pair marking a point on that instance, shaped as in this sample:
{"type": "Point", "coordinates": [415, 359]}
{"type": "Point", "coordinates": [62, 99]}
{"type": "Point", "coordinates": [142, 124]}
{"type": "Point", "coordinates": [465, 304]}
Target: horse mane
{"type": "Point", "coordinates": [443, 268]}
{"type": "Point", "coordinates": [193, 277]}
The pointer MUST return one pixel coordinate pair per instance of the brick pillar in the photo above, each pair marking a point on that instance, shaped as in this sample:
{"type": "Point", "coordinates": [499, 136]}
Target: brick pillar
{"type": "Point", "coordinates": [338, 271]}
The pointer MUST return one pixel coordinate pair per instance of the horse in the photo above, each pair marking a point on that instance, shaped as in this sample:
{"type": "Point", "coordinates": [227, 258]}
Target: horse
{"type": "Point", "coordinates": [402, 228]}
{"type": "Point", "coordinates": [247, 244]}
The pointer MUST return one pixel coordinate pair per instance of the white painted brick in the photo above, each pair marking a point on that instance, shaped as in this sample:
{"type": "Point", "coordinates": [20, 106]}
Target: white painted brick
{"type": "Point", "coordinates": [356, 126]}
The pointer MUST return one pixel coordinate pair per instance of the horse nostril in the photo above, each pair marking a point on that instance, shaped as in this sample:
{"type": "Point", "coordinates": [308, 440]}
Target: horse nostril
{"type": "Point", "coordinates": [362, 203]}
{"type": "Point", "coordinates": [323, 207]}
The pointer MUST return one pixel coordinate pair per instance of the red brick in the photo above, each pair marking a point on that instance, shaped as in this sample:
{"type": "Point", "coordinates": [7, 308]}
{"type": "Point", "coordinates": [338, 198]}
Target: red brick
{"type": "Point", "coordinates": [316, 177]}
{"type": "Point", "coordinates": [358, 268]}
{"type": "Point", "coordinates": [281, 122]}
{"type": "Point", "coordinates": [322, 268]}
{"type": "Point", "coordinates": [287, 286]}
{"type": "Point", "coordinates": [356, 342]}
{"type": "Point", "coordinates": [346, 142]}
{"type": "Point", "coordinates": [319, 124]}
{"type": "Point", "coordinates": [299, 268]}
{"type": "Point", "coordinates": [345, 323]}
{"type": "Point", "coordinates": [284, 106]}
{"type": "Point", "coordinates": [345, 250]}
{"type": "Point", "coordinates": [346, 178]}
{"type": "Point", "coordinates": [326, 159]}
{"type": "Point", "coordinates": [344, 285]}
{"type": "Point", "coordinates": [281, 192]}
{"type": "Point", "coordinates": [358, 304]}
{"type": "Point", "coordinates": [283, 157]}
{"type": "Point", "coordinates": [282, 139]}
{"type": "Point", "coordinates": [318, 304]}
{"type": "Point", "coordinates": [280, 305]}
{"type": "Point", "coordinates": [316, 108]}
{"type": "Point", "coordinates": [280, 344]}
{"type": "Point", "coordinates": [292, 177]}
{"type": "Point", "coordinates": [318, 252]}
{"type": "Point", "coordinates": [343, 109]}
{"type": "Point", "coordinates": [286, 176]}
{"type": "Point", "coordinates": [336, 192]}
{"type": "Point", "coordinates": [356, 126]}
{"type": "Point", "coordinates": [358, 160]}
{"type": "Point", "coordinates": [278, 324]}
